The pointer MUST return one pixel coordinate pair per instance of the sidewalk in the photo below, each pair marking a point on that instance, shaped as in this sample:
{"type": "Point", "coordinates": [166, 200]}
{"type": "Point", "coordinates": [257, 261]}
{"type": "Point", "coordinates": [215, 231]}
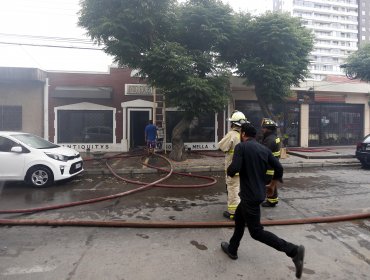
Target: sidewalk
{"type": "Point", "coordinates": [213, 161]}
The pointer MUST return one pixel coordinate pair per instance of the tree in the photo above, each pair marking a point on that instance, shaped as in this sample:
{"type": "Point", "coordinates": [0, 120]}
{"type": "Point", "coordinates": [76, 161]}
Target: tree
{"type": "Point", "coordinates": [272, 54]}
{"type": "Point", "coordinates": [358, 64]}
{"type": "Point", "coordinates": [175, 46]}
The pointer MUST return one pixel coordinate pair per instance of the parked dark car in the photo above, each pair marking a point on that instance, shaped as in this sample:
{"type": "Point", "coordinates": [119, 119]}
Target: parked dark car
{"type": "Point", "coordinates": [363, 152]}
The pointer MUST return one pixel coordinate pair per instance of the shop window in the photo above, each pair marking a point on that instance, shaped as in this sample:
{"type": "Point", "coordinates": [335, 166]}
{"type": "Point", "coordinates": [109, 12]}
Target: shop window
{"type": "Point", "coordinates": [11, 118]}
{"type": "Point", "coordinates": [335, 124]}
{"type": "Point", "coordinates": [85, 126]}
{"type": "Point", "coordinates": [201, 129]}
{"type": "Point", "coordinates": [287, 116]}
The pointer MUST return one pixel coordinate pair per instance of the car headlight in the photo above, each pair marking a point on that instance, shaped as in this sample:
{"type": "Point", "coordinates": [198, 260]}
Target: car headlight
{"type": "Point", "coordinates": [57, 157]}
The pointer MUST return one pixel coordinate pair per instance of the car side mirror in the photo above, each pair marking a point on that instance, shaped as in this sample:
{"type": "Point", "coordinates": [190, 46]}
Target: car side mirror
{"type": "Point", "coordinates": [16, 149]}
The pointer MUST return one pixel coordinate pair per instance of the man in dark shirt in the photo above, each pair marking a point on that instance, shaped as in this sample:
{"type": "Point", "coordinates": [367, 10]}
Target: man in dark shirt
{"type": "Point", "coordinates": [251, 161]}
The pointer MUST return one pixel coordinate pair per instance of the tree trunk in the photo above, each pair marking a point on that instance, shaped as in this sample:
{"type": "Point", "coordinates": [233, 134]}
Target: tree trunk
{"type": "Point", "coordinates": [177, 153]}
{"type": "Point", "coordinates": [264, 106]}
{"type": "Point", "coordinates": [265, 109]}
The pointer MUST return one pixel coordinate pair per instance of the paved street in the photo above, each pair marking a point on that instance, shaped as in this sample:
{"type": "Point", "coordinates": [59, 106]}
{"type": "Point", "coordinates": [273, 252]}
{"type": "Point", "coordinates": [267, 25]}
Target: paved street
{"type": "Point", "coordinates": [333, 251]}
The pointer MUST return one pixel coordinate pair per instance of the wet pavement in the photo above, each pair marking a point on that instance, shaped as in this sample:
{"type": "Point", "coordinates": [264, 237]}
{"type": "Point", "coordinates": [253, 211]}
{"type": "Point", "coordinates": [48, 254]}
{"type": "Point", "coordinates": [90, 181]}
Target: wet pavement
{"type": "Point", "coordinates": [312, 188]}
{"type": "Point", "coordinates": [303, 189]}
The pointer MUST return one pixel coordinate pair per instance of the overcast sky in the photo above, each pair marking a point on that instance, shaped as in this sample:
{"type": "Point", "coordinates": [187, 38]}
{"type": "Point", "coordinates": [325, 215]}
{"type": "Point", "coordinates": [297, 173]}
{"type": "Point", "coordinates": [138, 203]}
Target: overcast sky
{"type": "Point", "coordinates": [54, 23]}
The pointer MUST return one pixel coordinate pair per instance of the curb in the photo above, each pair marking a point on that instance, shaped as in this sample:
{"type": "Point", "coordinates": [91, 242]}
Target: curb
{"type": "Point", "coordinates": [298, 165]}
{"type": "Point", "coordinates": [319, 164]}
{"type": "Point", "coordinates": [334, 156]}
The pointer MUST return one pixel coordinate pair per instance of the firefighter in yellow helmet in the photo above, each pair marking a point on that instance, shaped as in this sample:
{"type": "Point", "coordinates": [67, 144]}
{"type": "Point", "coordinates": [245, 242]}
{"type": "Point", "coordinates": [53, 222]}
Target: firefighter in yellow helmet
{"type": "Point", "coordinates": [227, 145]}
{"type": "Point", "coordinates": [273, 142]}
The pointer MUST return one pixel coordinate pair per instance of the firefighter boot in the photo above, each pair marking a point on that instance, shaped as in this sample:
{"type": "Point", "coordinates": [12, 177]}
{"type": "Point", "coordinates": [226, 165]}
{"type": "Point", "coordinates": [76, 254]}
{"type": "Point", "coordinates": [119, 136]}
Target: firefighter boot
{"type": "Point", "coordinates": [225, 248]}
{"type": "Point", "coordinates": [228, 215]}
{"type": "Point", "coordinates": [268, 203]}
{"type": "Point", "coordinates": [298, 261]}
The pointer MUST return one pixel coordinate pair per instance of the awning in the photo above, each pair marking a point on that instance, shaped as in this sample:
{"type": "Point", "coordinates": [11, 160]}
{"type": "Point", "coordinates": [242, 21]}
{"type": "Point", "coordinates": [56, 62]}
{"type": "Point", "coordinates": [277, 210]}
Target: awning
{"type": "Point", "coordinates": [22, 74]}
{"type": "Point", "coordinates": [83, 92]}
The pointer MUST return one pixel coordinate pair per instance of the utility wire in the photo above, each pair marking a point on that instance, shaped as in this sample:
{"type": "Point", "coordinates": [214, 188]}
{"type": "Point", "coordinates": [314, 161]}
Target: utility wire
{"type": "Point", "coordinates": [47, 38]}
{"type": "Point", "coordinates": [51, 46]}
{"type": "Point", "coordinates": [32, 58]}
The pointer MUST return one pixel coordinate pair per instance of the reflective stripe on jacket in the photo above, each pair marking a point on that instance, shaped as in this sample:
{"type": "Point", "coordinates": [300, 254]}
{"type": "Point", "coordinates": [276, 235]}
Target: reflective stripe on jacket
{"type": "Point", "coordinates": [272, 142]}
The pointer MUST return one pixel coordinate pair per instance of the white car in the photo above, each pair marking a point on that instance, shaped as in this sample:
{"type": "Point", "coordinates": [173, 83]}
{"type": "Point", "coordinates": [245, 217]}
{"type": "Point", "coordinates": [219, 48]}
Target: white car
{"type": "Point", "coordinates": [30, 158]}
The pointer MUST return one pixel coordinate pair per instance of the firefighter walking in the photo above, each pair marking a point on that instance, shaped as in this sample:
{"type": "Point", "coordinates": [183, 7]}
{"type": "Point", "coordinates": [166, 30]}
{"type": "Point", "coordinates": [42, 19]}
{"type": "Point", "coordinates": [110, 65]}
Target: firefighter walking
{"type": "Point", "coordinates": [272, 142]}
{"type": "Point", "coordinates": [227, 145]}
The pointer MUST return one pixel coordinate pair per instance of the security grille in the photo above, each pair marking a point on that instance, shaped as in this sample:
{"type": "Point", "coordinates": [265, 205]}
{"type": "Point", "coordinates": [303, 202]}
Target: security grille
{"type": "Point", "coordinates": [11, 118]}
{"type": "Point", "coordinates": [287, 116]}
{"type": "Point", "coordinates": [335, 124]}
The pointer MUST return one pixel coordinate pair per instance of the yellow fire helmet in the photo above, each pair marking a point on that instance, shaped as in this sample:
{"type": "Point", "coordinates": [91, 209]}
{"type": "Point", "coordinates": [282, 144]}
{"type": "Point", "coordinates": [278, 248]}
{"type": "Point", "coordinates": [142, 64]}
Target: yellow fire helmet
{"type": "Point", "coordinates": [268, 123]}
{"type": "Point", "coordinates": [237, 118]}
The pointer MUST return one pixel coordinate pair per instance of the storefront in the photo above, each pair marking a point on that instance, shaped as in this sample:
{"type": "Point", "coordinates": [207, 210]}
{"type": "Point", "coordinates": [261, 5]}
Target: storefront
{"type": "Point", "coordinates": [335, 124]}
{"type": "Point", "coordinates": [109, 111]}
{"type": "Point", "coordinates": [287, 117]}
{"type": "Point", "coordinates": [333, 112]}
{"type": "Point", "coordinates": [100, 112]}
{"type": "Point", "coordinates": [201, 134]}
{"type": "Point", "coordinates": [86, 127]}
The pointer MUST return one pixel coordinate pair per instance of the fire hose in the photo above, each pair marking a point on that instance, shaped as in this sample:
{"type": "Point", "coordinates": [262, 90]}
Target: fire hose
{"type": "Point", "coordinates": [99, 199]}
{"type": "Point", "coordinates": [177, 224]}
{"type": "Point", "coordinates": [154, 224]}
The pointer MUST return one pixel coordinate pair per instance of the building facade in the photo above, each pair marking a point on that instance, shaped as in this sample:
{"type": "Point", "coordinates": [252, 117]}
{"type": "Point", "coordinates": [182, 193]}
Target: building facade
{"type": "Point", "coordinates": [101, 111]}
{"type": "Point", "coordinates": [107, 112]}
{"type": "Point", "coordinates": [364, 22]}
{"type": "Point", "coordinates": [23, 100]}
{"type": "Point", "coordinates": [335, 24]}
{"type": "Point", "coordinates": [332, 112]}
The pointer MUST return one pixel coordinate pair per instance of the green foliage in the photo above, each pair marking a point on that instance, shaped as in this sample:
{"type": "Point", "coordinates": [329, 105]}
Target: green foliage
{"type": "Point", "coordinates": [175, 46]}
{"type": "Point", "coordinates": [204, 25]}
{"type": "Point", "coordinates": [175, 72]}
{"type": "Point", "coordinates": [358, 64]}
{"type": "Point", "coordinates": [127, 28]}
{"type": "Point", "coordinates": [275, 54]}
{"type": "Point", "coordinates": [185, 49]}
{"type": "Point", "coordinates": [198, 96]}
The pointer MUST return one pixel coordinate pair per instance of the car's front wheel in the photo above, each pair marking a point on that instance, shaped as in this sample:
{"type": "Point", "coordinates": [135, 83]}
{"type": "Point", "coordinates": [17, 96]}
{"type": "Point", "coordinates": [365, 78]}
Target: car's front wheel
{"type": "Point", "coordinates": [39, 176]}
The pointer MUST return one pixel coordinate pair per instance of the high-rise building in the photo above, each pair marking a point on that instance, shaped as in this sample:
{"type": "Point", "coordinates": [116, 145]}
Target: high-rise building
{"type": "Point", "coordinates": [335, 24]}
{"type": "Point", "coordinates": [252, 7]}
{"type": "Point", "coordinates": [363, 21]}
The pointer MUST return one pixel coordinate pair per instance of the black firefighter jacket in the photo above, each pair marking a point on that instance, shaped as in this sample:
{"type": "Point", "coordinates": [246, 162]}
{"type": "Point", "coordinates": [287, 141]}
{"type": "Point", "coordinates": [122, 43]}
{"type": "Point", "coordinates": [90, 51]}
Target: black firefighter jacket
{"type": "Point", "coordinates": [251, 161]}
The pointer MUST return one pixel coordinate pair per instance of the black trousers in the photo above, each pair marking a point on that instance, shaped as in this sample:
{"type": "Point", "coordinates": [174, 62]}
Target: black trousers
{"type": "Point", "coordinates": [250, 214]}
{"type": "Point", "coordinates": [274, 196]}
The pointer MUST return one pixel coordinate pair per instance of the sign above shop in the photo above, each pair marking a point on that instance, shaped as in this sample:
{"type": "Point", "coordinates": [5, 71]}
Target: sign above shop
{"type": "Point", "coordinates": [195, 146]}
{"type": "Point", "coordinates": [94, 147]}
{"type": "Point", "coordinates": [138, 89]}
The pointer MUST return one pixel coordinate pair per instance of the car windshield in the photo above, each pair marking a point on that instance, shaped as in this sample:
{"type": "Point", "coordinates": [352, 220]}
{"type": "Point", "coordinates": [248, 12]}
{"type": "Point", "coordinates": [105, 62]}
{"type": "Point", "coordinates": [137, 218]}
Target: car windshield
{"type": "Point", "coordinates": [34, 141]}
{"type": "Point", "coordinates": [367, 139]}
